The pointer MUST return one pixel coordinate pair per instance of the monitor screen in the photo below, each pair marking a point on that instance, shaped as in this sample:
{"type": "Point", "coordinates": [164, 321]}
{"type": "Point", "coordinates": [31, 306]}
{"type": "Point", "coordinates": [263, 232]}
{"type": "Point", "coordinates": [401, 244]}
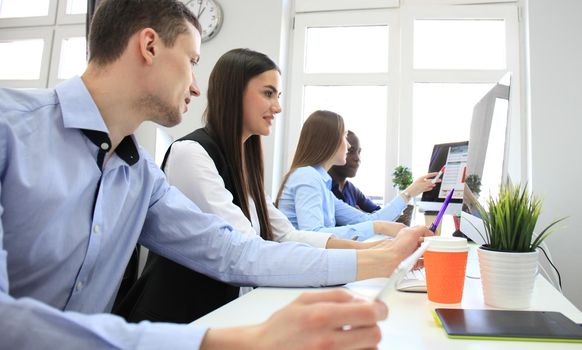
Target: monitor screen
{"type": "Point", "coordinates": [489, 139]}
{"type": "Point", "coordinates": [452, 159]}
{"type": "Point", "coordinates": [487, 162]}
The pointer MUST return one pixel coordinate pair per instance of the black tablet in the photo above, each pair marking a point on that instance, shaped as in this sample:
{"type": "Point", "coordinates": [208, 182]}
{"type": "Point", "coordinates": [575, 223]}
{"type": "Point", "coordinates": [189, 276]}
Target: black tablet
{"type": "Point", "coordinates": [509, 325]}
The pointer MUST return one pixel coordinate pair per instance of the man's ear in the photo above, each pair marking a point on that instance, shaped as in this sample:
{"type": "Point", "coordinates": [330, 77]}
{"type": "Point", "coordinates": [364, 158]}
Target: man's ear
{"type": "Point", "coordinates": [149, 42]}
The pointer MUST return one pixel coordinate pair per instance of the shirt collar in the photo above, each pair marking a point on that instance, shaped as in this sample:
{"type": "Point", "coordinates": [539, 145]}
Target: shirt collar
{"type": "Point", "coordinates": [80, 112]}
{"type": "Point", "coordinates": [324, 176]}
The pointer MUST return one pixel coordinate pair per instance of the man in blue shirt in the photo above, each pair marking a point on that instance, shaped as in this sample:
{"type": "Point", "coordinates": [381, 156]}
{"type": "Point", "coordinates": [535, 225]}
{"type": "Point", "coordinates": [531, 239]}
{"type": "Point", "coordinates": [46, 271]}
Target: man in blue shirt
{"type": "Point", "coordinates": [77, 193]}
{"type": "Point", "coordinates": [341, 187]}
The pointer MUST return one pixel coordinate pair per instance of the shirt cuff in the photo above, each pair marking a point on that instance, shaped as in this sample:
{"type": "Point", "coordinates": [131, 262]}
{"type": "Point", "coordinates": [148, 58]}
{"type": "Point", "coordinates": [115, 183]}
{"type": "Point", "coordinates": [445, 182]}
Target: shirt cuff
{"type": "Point", "coordinates": [363, 230]}
{"type": "Point", "coordinates": [342, 266]}
{"type": "Point", "coordinates": [398, 201]}
{"type": "Point", "coordinates": [171, 336]}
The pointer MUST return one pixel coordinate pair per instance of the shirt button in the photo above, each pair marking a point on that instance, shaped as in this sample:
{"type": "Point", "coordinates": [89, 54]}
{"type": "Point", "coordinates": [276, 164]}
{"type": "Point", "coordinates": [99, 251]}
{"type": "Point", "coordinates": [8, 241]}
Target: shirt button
{"type": "Point", "coordinates": [105, 146]}
{"type": "Point", "coordinates": [96, 229]}
{"type": "Point", "coordinates": [79, 286]}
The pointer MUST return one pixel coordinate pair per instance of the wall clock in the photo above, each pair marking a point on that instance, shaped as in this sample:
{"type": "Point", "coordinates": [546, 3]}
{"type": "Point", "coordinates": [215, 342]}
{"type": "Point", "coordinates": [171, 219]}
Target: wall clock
{"type": "Point", "coordinates": [209, 15]}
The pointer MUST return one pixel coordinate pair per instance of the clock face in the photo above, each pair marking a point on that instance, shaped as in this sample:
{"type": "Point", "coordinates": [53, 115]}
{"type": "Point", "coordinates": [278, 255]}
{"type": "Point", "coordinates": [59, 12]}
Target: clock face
{"type": "Point", "coordinates": [209, 15]}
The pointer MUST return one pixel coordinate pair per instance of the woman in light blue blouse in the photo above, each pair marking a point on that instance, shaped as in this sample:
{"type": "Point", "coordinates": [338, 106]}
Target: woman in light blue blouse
{"type": "Point", "coordinates": [305, 195]}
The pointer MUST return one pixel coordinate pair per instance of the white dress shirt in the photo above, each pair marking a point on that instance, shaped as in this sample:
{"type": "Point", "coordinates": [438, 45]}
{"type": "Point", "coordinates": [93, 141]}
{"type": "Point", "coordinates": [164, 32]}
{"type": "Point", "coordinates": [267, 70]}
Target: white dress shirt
{"type": "Point", "coordinates": [192, 171]}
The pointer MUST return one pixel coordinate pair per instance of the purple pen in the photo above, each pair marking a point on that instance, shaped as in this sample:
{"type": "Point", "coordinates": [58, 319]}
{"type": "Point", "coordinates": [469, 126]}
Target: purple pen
{"type": "Point", "coordinates": [437, 221]}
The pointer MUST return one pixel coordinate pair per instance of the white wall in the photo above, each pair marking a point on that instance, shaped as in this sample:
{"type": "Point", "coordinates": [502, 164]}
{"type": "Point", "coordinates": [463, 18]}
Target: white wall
{"type": "Point", "coordinates": [260, 25]}
{"type": "Point", "coordinates": [555, 64]}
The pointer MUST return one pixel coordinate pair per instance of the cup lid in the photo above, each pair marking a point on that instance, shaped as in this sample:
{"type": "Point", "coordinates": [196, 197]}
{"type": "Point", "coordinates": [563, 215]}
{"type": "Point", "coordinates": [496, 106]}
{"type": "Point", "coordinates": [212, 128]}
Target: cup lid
{"type": "Point", "coordinates": [447, 244]}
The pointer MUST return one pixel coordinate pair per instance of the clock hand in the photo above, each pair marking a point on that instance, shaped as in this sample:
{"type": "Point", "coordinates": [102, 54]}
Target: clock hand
{"type": "Point", "coordinates": [199, 7]}
{"type": "Point", "coordinates": [201, 12]}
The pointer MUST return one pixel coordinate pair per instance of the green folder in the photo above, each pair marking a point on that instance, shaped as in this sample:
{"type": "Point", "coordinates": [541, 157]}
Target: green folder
{"type": "Point", "coordinates": [546, 326]}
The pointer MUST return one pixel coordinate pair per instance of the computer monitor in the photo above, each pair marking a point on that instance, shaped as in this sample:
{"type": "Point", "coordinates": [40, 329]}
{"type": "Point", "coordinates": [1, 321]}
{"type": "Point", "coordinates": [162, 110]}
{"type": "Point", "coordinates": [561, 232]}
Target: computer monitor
{"type": "Point", "coordinates": [488, 149]}
{"type": "Point", "coordinates": [452, 156]}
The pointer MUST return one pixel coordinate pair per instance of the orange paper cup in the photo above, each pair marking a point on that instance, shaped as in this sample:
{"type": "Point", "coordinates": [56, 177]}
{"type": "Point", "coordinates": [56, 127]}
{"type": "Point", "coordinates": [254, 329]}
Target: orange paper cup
{"type": "Point", "coordinates": [445, 263]}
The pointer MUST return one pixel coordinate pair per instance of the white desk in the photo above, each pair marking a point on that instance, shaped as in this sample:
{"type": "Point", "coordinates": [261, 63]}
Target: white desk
{"type": "Point", "coordinates": [410, 324]}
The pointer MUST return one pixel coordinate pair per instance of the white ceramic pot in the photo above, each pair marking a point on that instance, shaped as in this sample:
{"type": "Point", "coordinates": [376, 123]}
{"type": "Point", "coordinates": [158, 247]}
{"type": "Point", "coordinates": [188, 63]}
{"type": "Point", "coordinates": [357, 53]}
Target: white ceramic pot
{"type": "Point", "coordinates": [507, 278]}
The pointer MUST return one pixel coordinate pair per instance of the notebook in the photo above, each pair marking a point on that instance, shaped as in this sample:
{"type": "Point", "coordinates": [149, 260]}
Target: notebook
{"type": "Point", "coordinates": [508, 325]}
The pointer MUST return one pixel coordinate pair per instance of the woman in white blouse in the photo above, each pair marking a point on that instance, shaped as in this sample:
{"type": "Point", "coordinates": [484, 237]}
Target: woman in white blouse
{"type": "Point", "coordinates": [220, 168]}
{"type": "Point", "coordinates": [236, 128]}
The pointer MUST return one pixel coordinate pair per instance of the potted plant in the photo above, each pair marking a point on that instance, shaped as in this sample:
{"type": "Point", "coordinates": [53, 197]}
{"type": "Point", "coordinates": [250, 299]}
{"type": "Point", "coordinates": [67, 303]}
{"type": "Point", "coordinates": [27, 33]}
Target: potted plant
{"type": "Point", "coordinates": [470, 195]}
{"type": "Point", "coordinates": [474, 183]}
{"type": "Point", "coordinates": [401, 179]}
{"type": "Point", "coordinates": [508, 259]}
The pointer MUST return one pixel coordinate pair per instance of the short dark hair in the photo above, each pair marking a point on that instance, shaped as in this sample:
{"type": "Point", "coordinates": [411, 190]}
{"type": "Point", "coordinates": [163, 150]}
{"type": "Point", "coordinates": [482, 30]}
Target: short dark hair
{"type": "Point", "coordinates": [115, 21]}
{"type": "Point", "coordinates": [224, 116]}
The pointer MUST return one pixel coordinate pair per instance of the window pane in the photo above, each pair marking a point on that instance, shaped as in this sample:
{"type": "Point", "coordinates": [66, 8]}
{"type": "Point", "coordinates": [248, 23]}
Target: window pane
{"type": "Point", "coordinates": [21, 59]}
{"type": "Point", "coordinates": [441, 113]}
{"type": "Point", "coordinates": [459, 44]}
{"type": "Point", "coordinates": [362, 49]}
{"type": "Point", "coordinates": [366, 120]}
{"type": "Point", "coordinates": [72, 60]}
{"type": "Point", "coordinates": [23, 8]}
{"type": "Point", "coordinates": [75, 7]}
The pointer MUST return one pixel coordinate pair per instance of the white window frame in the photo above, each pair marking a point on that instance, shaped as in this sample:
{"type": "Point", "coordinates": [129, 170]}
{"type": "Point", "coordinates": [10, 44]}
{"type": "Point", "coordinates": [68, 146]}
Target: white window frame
{"type": "Point", "coordinates": [410, 76]}
{"type": "Point", "coordinates": [64, 18]}
{"type": "Point", "coordinates": [44, 33]}
{"type": "Point", "coordinates": [52, 28]}
{"type": "Point", "coordinates": [401, 76]}
{"type": "Point", "coordinates": [47, 20]}
{"type": "Point", "coordinates": [299, 78]}
{"type": "Point", "coordinates": [332, 5]}
{"type": "Point", "coordinates": [61, 33]}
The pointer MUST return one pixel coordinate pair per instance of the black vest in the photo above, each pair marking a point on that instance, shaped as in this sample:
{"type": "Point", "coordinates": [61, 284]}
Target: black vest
{"type": "Point", "coordinates": [169, 292]}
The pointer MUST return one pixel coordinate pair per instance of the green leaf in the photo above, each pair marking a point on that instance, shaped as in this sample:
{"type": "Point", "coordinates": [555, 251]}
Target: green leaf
{"type": "Point", "coordinates": [510, 220]}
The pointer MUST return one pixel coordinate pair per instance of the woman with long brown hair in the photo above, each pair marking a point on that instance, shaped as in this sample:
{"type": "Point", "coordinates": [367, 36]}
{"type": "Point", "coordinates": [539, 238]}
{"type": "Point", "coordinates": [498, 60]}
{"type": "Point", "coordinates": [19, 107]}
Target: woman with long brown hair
{"type": "Point", "coordinates": [220, 168]}
{"type": "Point", "coordinates": [305, 195]}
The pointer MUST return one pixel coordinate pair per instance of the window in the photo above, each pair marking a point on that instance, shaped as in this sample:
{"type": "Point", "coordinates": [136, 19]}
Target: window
{"type": "Point", "coordinates": [42, 42]}
{"type": "Point", "coordinates": [326, 49]}
{"type": "Point", "coordinates": [403, 78]}
{"type": "Point", "coordinates": [458, 53]}
{"type": "Point", "coordinates": [459, 44]}
{"type": "Point", "coordinates": [24, 8]}
{"type": "Point", "coordinates": [346, 61]}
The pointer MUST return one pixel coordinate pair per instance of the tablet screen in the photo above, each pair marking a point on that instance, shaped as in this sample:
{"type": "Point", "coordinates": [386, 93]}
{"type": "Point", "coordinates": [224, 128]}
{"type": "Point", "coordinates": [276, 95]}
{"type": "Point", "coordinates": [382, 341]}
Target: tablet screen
{"type": "Point", "coordinates": [509, 324]}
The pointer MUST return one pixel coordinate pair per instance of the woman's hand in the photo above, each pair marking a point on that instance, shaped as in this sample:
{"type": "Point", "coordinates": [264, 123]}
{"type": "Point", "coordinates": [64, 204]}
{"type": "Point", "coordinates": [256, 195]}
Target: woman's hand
{"type": "Point", "coordinates": [388, 228]}
{"type": "Point", "coordinates": [338, 243]}
{"type": "Point", "coordinates": [385, 257]}
{"type": "Point", "coordinates": [422, 184]}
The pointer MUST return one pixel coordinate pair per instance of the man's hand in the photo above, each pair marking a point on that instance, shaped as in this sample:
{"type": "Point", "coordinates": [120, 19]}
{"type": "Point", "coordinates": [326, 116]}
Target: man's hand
{"type": "Point", "coordinates": [333, 319]}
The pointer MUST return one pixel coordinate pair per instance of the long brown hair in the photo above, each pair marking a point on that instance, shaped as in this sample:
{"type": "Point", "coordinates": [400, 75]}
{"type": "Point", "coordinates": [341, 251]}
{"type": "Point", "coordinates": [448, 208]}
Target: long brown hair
{"type": "Point", "coordinates": [320, 138]}
{"type": "Point", "coordinates": [224, 117]}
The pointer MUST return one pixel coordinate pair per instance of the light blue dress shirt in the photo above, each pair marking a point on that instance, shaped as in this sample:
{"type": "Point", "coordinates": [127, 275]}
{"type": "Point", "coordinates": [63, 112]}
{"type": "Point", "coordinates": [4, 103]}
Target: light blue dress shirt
{"type": "Point", "coordinates": [67, 231]}
{"type": "Point", "coordinates": [310, 205]}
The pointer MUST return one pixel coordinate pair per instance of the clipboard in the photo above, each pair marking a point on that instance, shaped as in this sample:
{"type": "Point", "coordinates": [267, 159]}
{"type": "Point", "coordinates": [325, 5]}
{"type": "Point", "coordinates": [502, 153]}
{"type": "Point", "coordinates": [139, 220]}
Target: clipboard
{"type": "Point", "coordinates": [545, 326]}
